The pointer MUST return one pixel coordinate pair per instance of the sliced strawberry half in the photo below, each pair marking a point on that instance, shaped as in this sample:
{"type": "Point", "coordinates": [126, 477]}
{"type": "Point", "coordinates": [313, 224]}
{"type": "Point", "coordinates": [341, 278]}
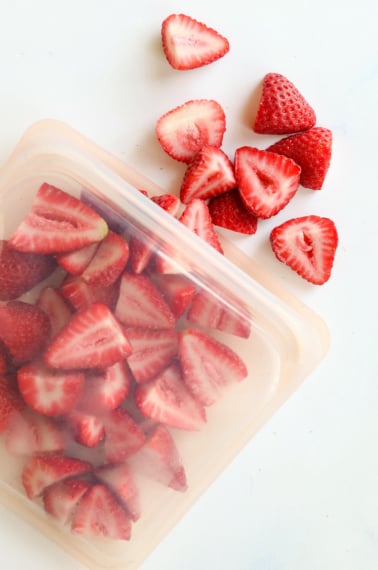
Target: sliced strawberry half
{"type": "Point", "coordinates": [188, 43]}
{"type": "Point", "coordinates": [168, 202]}
{"type": "Point", "coordinates": [108, 261]}
{"type": "Point", "coordinates": [267, 181]}
{"type": "Point", "coordinates": [60, 500]}
{"type": "Point", "coordinates": [119, 480]}
{"type": "Point", "coordinates": [93, 338]}
{"type": "Point", "coordinates": [140, 304]}
{"type": "Point", "coordinates": [58, 222]}
{"type": "Point", "coordinates": [228, 211]}
{"type": "Point", "coordinates": [307, 245]}
{"type": "Point", "coordinates": [167, 400]}
{"type": "Point", "coordinates": [282, 108]}
{"type": "Point", "coordinates": [29, 433]}
{"type": "Point", "coordinates": [106, 389]}
{"type": "Point", "coordinates": [184, 130]}
{"type": "Point", "coordinates": [209, 174]}
{"type": "Point", "coordinates": [196, 217]}
{"type": "Point", "coordinates": [81, 294]}
{"type": "Point", "coordinates": [123, 436]}
{"type": "Point", "coordinates": [178, 291]}
{"type": "Point", "coordinates": [99, 514]}
{"type": "Point", "coordinates": [208, 365]}
{"type": "Point", "coordinates": [152, 351]}
{"type": "Point", "coordinates": [88, 429]}
{"type": "Point", "coordinates": [43, 470]}
{"type": "Point", "coordinates": [74, 262]}
{"type": "Point", "coordinates": [312, 150]}
{"type": "Point", "coordinates": [10, 401]}
{"type": "Point", "coordinates": [52, 302]}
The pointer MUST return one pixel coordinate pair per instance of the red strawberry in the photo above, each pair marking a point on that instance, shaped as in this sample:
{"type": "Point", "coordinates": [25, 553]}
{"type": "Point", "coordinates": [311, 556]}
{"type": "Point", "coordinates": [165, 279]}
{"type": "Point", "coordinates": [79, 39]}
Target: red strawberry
{"type": "Point", "coordinates": [20, 271]}
{"type": "Point", "coordinates": [49, 392]}
{"type": "Point", "coordinates": [168, 202]}
{"type": "Point", "coordinates": [267, 181]}
{"type": "Point", "coordinates": [119, 480]}
{"type": "Point", "coordinates": [74, 262]}
{"type": "Point", "coordinates": [208, 311]}
{"type": "Point", "coordinates": [178, 291]}
{"type": "Point", "coordinates": [209, 174]}
{"type": "Point", "coordinates": [45, 469]}
{"type": "Point", "coordinates": [184, 130]}
{"type": "Point", "coordinates": [52, 302]}
{"type": "Point", "coordinates": [228, 211]}
{"type": "Point", "coordinates": [197, 218]}
{"type": "Point", "coordinates": [3, 359]}
{"type": "Point", "coordinates": [30, 433]}
{"type": "Point", "coordinates": [140, 304]}
{"type": "Point", "coordinates": [61, 499]}
{"type": "Point", "coordinates": [106, 389]}
{"type": "Point", "coordinates": [108, 262]}
{"type": "Point", "coordinates": [188, 44]}
{"type": "Point", "coordinates": [81, 295]}
{"type": "Point", "coordinates": [166, 400]}
{"type": "Point", "coordinates": [208, 365]}
{"type": "Point", "coordinates": [282, 108]}
{"type": "Point", "coordinates": [93, 338]}
{"type": "Point", "coordinates": [123, 436]}
{"type": "Point", "coordinates": [10, 402]}
{"type": "Point", "coordinates": [307, 245]}
{"type": "Point", "coordinates": [99, 514]}
{"type": "Point", "coordinates": [312, 151]}
{"type": "Point", "coordinates": [24, 330]}
{"type": "Point", "coordinates": [88, 429]}
{"type": "Point", "coordinates": [56, 223]}
{"type": "Point", "coordinates": [159, 460]}
{"type": "Point", "coordinates": [152, 351]}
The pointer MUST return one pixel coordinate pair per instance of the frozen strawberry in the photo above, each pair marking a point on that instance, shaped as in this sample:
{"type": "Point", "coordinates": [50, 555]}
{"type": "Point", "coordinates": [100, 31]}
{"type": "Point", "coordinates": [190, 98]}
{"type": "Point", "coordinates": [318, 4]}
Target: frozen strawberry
{"type": "Point", "coordinates": [29, 433]}
{"type": "Point", "coordinates": [208, 365]}
{"type": "Point", "coordinates": [88, 429]}
{"type": "Point", "coordinates": [178, 291]}
{"type": "Point", "coordinates": [208, 311]}
{"type": "Point", "coordinates": [168, 202]}
{"type": "Point", "coordinates": [228, 211]}
{"type": "Point", "coordinates": [57, 222]}
{"type": "Point", "coordinates": [24, 330]}
{"type": "Point", "coordinates": [312, 150]}
{"type": "Point", "coordinates": [52, 302]}
{"type": "Point", "coordinates": [307, 245]}
{"type": "Point", "coordinates": [106, 389]}
{"type": "Point", "coordinates": [119, 480]}
{"type": "Point", "coordinates": [93, 338]}
{"type": "Point", "coordinates": [159, 460]}
{"type": "Point", "coordinates": [196, 217]}
{"type": "Point", "coordinates": [10, 401]}
{"type": "Point", "coordinates": [184, 130]}
{"type": "Point", "coordinates": [188, 44]}
{"type": "Point", "coordinates": [49, 392]}
{"type": "Point", "coordinates": [61, 499]}
{"type": "Point", "coordinates": [20, 272]}
{"type": "Point", "coordinates": [123, 436]}
{"type": "Point", "coordinates": [45, 469]}
{"type": "Point", "coordinates": [108, 262]}
{"type": "Point", "coordinates": [166, 399]}
{"type": "Point", "coordinates": [74, 262]}
{"type": "Point", "coordinates": [282, 108]}
{"type": "Point", "coordinates": [140, 304]}
{"type": "Point", "coordinates": [99, 514]}
{"type": "Point", "coordinates": [81, 295]}
{"type": "Point", "coordinates": [267, 181]}
{"type": "Point", "coordinates": [152, 351]}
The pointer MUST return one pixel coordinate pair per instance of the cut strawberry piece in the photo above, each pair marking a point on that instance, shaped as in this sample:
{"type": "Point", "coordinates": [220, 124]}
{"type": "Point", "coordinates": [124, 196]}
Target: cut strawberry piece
{"type": "Point", "coordinates": [312, 150]}
{"type": "Point", "coordinates": [114, 219]}
{"type": "Point", "coordinates": [159, 460]}
{"type": "Point", "coordinates": [60, 500]}
{"type": "Point", "coordinates": [178, 291]}
{"type": "Point", "coordinates": [152, 351]}
{"type": "Point", "coordinates": [188, 44]}
{"type": "Point", "coordinates": [168, 202]}
{"type": "Point", "coordinates": [49, 392]}
{"type": "Point", "coordinates": [196, 217]}
{"type": "Point", "coordinates": [99, 514]}
{"type": "Point", "coordinates": [209, 174]}
{"type": "Point", "coordinates": [282, 108]}
{"type": "Point", "coordinates": [208, 311]}
{"type": "Point", "coordinates": [108, 262]}
{"type": "Point", "coordinates": [10, 402]}
{"type": "Point", "coordinates": [141, 252]}
{"type": "Point", "coordinates": [123, 436]}
{"type": "Point", "coordinates": [45, 469]}
{"type": "Point", "coordinates": [3, 359]}
{"type": "Point", "coordinates": [119, 480]}
{"type": "Point", "coordinates": [228, 211]}
{"type": "Point", "coordinates": [106, 389]}
{"type": "Point", "coordinates": [81, 295]}
{"type": "Point", "coordinates": [58, 222]}
{"type": "Point", "coordinates": [74, 262]}
{"type": "Point", "coordinates": [307, 245]}
{"type": "Point", "coordinates": [167, 400]}
{"type": "Point", "coordinates": [184, 130]}
{"type": "Point", "coordinates": [29, 433]}
{"type": "Point", "coordinates": [88, 429]}
{"type": "Point", "coordinates": [52, 302]}
{"type": "Point", "coordinates": [208, 365]}
{"type": "Point", "coordinates": [93, 338]}
{"type": "Point", "coordinates": [267, 181]}
{"type": "Point", "coordinates": [20, 272]}
{"type": "Point", "coordinates": [24, 330]}
{"type": "Point", "coordinates": [140, 304]}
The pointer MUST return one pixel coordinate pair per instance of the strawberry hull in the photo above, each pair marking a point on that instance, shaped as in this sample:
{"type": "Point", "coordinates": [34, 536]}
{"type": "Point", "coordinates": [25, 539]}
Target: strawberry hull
{"type": "Point", "coordinates": [156, 418]}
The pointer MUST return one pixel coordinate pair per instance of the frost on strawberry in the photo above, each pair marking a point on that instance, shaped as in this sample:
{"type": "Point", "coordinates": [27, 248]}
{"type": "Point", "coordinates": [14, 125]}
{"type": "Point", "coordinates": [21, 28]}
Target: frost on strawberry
{"type": "Point", "coordinates": [120, 481]}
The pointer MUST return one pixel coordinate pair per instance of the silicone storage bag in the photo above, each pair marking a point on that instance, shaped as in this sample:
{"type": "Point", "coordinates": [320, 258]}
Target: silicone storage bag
{"type": "Point", "coordinates": [281, 343]}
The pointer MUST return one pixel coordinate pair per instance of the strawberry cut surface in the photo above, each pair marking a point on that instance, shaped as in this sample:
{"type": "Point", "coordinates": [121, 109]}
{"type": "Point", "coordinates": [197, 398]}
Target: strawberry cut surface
{"type": "Point", "coordinates": [81, 294]}
{"type": "Point", "coordinates": [106, 389]}
{"type": "Point", "coordinates": [120, 481]}
{"type": "Point", "coordinates": [196, 217]}
{"type": "Point", "coordinates": [10, 401]}
{"type": "Point", "coordinates": [29, 433]}
{"type": "Point", "coordinates": [123, 436]}
{"type": "Point", "coordinates": [108, 262]}
{"type": "Point", "coordinates": [61, 499]}
{"type": "Point", "coordinates": [52, 302]}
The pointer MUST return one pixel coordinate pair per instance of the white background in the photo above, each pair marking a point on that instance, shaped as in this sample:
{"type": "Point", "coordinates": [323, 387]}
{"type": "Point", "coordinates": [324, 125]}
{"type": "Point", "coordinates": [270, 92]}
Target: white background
{"type": "Point", "coordinates": [303, 494]}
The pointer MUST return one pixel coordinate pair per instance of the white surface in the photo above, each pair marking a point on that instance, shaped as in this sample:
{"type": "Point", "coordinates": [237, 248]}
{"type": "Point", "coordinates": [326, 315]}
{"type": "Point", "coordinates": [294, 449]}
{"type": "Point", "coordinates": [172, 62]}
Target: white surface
{"type": "Point", "coordinates": [303, 494]}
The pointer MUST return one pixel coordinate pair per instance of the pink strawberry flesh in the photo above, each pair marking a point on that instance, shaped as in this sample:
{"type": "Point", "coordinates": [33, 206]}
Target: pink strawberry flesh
{"type": "Point", "coordinates": [10, 401]}
{"type": "Point", "coordinates": [119, 480]}
{"type": "Point", "coordinates": [108, 261]}
{"type": "Point", "coordinates": [106, 389]}
{"type": "Point", "coordinates": [178, 290]}
{"type": "Point", "coordinates": [52, 302]}
{"type": "Point", "coordinates": [60, 500]}
{"type": "Point", "coordinates": [81, 294]}
{"type": "Point", "coordinates": [29, 433]}
{"type": "Point", "coordinates": [88, 428]}
{"type": "Point", "coordinates": [196, 217]}
{"type": "Point", "coordinates": [123, 436]}
{"type": "Point", "coordinates": [74, 262]}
